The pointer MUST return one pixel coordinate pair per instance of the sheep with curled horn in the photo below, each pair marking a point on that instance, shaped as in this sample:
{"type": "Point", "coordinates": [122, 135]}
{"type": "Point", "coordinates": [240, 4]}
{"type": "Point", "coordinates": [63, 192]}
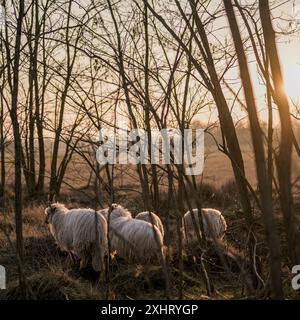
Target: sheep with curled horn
{"type": "Point", "coordinates": [133, 239]}
{"type": "Point", "coordinates": [82, 232]}
{"type": "Point", "coordinates": [214, 225]}
{"type": "Point", "coordinates": [146, 216]}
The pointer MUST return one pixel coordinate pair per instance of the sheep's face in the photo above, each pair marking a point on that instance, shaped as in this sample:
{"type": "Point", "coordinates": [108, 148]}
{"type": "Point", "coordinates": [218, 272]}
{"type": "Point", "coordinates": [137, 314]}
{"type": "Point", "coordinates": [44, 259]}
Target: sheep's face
{"type": "Point", "coordinates": [51, 210]}
{"type": "Point", "coordinates": [118, 211]}
{"type": "Point", "coordinates": [49, 214]}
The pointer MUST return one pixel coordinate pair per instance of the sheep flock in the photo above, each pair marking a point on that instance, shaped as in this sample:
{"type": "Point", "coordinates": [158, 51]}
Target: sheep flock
{"type": "Point", "coordinates": [86, 233]}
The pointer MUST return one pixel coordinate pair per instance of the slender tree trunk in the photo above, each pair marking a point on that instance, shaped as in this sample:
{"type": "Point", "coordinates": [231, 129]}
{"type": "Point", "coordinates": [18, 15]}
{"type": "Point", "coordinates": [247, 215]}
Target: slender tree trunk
{"type": "Point", "coordinates": [38, 109]}
{"type": "Point", "coordinates": [2, 148]}
{"type": "Point", "coordinates": [147, 112]}
{"type": "Point", "coordinates": [265, 186]}
{"type": "Point", "coordinates": [18, 149]}
{"type": "Point", "coordinates": [2, 137]}
{"type": "Point", "coordinates": [226, 122]}
{"type": "Point", "coordinates": [56, 144]}
{"type": "Point", "coordinates": [124, 83]}
{"type": "Point", "coordinates": [228, 129]}
{"type": "Point", "coordinates": [284, 163]}
{"type": "Point", "coordinates": [30, 119]}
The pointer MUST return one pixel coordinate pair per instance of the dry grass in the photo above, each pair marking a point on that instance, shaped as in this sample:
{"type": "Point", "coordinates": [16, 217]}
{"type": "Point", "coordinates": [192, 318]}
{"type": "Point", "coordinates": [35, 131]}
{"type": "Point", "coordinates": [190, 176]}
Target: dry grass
{"type": "Point", "coordinates": [52, 275]}
{"type": "Point", "coordinates": [52, 285]}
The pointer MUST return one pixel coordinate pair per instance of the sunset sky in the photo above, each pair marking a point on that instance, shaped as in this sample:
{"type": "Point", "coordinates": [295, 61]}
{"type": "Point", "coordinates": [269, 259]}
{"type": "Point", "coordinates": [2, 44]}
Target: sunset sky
{"type": "Point", "coordinates": [286, 20]}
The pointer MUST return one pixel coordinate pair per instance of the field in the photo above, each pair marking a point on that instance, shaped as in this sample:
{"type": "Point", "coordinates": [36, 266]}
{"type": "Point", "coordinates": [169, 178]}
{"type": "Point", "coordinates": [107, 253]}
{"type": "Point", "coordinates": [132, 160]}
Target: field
{"type": "Point", "coordinates": [52, 274]}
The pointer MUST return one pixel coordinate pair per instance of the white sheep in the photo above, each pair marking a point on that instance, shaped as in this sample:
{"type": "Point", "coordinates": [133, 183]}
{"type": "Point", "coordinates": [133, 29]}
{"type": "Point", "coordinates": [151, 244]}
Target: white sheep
{"type": "Point", "coordinates": [156, 220]}
{"type": "Point", "coordinates": [214, 225]}
{"type": "Point", "coordinates": [117, 211]}
{"type": "Point", "coordinates": [133, 239]}
{"type": "Point", "coordinates": [82, 232]}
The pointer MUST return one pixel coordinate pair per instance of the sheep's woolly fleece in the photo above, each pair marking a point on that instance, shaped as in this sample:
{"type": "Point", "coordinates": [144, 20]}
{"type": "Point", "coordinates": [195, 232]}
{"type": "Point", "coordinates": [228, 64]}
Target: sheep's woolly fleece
{"type": "Point", "coordinates": [133, 239]}
{"type": "Point", "coordinates": [80, 231]}
{"type": "Point", "coordinates": [156, 220]}
{"type": "Point", "coordinates": [117, 211]}
{"type": "Point", "coordinates": [214, 224]}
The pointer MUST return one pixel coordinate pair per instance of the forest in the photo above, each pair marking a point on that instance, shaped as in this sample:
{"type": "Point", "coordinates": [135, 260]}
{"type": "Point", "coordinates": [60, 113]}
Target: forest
{"type": "Point", "coordinates": [74, 227]}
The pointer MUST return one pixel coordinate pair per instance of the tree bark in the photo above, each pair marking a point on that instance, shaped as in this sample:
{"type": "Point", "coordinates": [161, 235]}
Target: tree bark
{"type": "Point", "coordinates": [265, 186]}
{"type": "Point", "coordinates": [284, 163]}
{"type": "Point", "coordinates": [18, 150]}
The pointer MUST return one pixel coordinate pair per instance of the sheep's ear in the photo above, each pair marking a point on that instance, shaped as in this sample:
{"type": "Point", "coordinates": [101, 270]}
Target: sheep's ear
{"type": "Point", "coordinates": [53, 207]}
{"type": "Point", "coordinates": [47, 210]}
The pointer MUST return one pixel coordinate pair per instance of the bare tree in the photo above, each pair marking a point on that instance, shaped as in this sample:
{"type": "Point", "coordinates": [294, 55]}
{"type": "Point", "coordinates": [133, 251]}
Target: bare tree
{"type": "Point", "coordinates": [18, 145]}
{"type": "Point", "coordinates": [284, 163]}
{"type": "Point", "coordinates": [211, 79]}
{"type": "Point", "coordinates": [265, 185]}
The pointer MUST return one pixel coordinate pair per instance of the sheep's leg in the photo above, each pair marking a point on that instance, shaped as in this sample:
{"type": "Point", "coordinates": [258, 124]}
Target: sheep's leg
{"type": "Point", "coordinates": [98, 264]}
{"type": "Point", "coordinates": [83, 263]}
{"type": "Point", "coordinates": [72, 258]}
{"type": "Point", "coordinates": [97, 261]}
